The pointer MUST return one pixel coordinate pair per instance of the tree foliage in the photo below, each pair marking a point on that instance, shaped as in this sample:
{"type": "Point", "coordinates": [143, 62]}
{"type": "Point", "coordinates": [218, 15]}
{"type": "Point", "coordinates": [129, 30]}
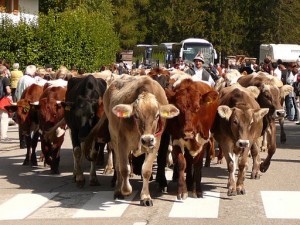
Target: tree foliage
{"type": "Point", "coordinates": [89, 33]}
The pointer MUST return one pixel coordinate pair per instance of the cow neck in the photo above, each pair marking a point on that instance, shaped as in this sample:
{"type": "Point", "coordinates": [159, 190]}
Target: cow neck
{"type": "Point", "coordinates": [158, 133]}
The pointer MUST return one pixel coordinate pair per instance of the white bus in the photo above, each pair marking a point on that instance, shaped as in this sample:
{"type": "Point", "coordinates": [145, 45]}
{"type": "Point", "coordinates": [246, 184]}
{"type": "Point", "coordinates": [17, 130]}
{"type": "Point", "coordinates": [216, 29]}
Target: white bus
{"type": "Point", "coordinates": [189, 48]}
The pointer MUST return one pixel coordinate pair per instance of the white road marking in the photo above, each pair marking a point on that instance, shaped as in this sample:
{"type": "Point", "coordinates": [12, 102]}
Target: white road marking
{"type": "Point", "coordinates": [281, 204]}
{"type": "Point", "coordinates": [102, 205]}
{"type": "Point", "coordinates": [22, 205]}
{"type": "Point", "coordinates": [206, 207]}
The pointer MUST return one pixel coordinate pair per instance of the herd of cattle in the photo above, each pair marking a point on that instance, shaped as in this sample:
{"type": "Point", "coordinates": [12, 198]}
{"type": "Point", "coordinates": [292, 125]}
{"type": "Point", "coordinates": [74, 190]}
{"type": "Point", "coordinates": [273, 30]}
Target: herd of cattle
{"type": "Point", "coordinates": [140, 117]}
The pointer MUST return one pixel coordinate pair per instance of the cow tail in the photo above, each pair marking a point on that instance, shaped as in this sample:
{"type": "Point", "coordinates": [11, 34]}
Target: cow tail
{"type": "Point", "coordinates": [89, 142]}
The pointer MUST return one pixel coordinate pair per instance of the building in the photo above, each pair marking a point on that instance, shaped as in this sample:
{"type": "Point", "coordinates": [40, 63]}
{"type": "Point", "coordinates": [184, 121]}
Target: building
{"type": "Point", "coordinates": [17, 9]}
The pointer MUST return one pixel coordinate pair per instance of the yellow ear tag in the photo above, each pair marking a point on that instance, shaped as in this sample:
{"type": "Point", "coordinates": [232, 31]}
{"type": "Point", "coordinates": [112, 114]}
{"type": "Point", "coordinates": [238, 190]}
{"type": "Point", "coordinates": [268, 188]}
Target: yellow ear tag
{"type": "Point", "coordinates": [165, 114]}
{"type": "Point", "coordinates": [26, 109]}
{"type": "Point", "coordinates": [67, 108]}
{"type": "Point", "coordinates": [123, 114]}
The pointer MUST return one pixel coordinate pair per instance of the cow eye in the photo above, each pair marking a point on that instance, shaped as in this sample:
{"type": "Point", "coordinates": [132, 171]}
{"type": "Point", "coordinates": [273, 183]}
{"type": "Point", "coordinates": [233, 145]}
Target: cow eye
{"type": "Point", "coordinates": [235, 121]}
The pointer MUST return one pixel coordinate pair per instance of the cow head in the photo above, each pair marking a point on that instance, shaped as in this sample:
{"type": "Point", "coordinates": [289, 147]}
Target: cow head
{"type": "Point", "coordinates": [270, 97]}
{"type": "Point", "coordinates": [148, 115]}
{"type": "Point", "coordinates": [84, 110]}
{"type": "Point", "coordinates": [50, 112]}
{"type": "Point", "coordinates": [245, 125]}
{"type": "Point", "coordinates": [197, 108]}
{"type": "Point", "coordinates": [25, 113]}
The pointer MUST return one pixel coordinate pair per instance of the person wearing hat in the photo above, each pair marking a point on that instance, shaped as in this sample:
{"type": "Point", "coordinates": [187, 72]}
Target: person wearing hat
{"type": "Point", "coordinates": [199, 73]}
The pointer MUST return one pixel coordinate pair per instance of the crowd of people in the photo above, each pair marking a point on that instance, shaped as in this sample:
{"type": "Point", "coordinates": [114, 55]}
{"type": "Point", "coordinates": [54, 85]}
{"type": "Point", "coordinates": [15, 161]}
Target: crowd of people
{"type": "Point", "coordinates": [14, 81]}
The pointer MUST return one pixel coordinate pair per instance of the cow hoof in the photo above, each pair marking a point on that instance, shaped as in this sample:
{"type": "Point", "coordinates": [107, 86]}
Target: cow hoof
{"type": "Point", "coordinates": [164, 190]}
{"type": "Point", "coordinates": [34, 163]}
{"type": "Point", "coordinates": [146, 202]}
{"type": "Point", "coordinates": [263, 168]}
{"type": "Point", "coordinates": [80, 183]}
{"type": "Point", "coordinates": [118, 196]}
{"type": "Point", "coordinates": [231, 193]}
{"type": "Point", "coordinates": [199, 194]}
{"type": "Point", "coordinates": [55, 171]}
{"type": "Point", "coordinates": [255, 176]}
{"type": "Point", "coordinates": [26, 162]}
{"type": "Point", "coordinates": [241, 191]}
{"type": "Point", "coordinates": [182, 196]}
{"type": "Point", "coordinates": [94, 183]}
{"type": "Point", "coordinates": [207, 164]}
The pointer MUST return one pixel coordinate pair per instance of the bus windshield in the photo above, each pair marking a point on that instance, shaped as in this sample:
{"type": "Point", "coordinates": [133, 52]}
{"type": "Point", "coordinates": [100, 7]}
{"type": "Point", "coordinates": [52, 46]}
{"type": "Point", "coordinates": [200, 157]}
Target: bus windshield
{"type": "Point", "coordinates": [190, 50]}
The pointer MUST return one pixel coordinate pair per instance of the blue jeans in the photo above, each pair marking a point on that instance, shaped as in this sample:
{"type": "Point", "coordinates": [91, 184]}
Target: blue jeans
{"type": "Point", "coordinates": [290, 107]}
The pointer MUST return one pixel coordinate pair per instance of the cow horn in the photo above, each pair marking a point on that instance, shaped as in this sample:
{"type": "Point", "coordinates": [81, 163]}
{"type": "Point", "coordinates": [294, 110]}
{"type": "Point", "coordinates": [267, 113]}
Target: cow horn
{"type": "Point", "coordinates": [50, 133]}
{"type": "Point", "coordinates": [35, 103]}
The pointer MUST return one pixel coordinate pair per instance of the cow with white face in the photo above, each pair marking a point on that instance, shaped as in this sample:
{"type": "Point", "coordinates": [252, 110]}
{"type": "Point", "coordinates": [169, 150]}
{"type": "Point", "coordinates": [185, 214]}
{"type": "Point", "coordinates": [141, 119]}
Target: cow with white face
{"type": "Point", "coordinates": [136, 110]}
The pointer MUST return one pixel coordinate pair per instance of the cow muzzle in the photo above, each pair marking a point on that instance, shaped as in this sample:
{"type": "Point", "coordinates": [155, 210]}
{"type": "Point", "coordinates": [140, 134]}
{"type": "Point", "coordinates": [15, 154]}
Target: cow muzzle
{"type": "Point", "coordinates": [279, 113]}
{"type": "Point", "coordinates": [243, 143]}
{"type": "Point", "coordinates": [188, 135]}
{"type": "Point", "coordinates": [148, 140]}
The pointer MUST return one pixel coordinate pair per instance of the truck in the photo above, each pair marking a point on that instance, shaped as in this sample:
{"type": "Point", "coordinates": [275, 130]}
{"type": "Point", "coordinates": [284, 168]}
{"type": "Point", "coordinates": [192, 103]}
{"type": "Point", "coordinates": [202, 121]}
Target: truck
{"type": "Point", "coordinates": [286, 52]}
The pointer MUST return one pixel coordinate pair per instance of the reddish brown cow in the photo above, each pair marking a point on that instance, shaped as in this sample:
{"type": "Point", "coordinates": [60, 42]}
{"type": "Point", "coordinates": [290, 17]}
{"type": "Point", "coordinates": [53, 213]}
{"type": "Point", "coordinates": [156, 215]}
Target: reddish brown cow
{"type": "Point", "coordinates": [50, 113]}
{"type": "Point", "coordinates": [27, 117]}
{"type": "Point", "coordinates": [190, 131]}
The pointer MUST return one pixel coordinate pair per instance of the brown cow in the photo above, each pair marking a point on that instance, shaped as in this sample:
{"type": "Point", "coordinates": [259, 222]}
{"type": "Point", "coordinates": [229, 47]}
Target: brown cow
{"type": "Point", "coordinates": [237, 127]}
{"type": "Point", "coordinates": [137, 109]}
{"type": "Point", "coordinates": [27, 117]}
{"type": "Point", "coordinates": [50, 113]}
{"type": "Point", "coordinates": [190, 131]}
{"type": "Point", "coordinates": [271, 93]}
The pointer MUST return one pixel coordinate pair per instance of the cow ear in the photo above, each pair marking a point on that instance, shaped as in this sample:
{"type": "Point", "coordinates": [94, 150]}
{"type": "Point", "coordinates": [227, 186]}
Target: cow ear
{"type": "Point", "coordinates": [260, 113]}
{"type": "Point", "coordinates": [123, 110]}
{"type": "Point", "coordinates": [168, 111]}
{"type": "Point", "coordinates": [170, 94]}
{"type": "Point", "coordinates": [254, 91]}
{"type": "Point", "coordinates": [224, 112]}
{"type": "Point", "coordinates": [209, 97]}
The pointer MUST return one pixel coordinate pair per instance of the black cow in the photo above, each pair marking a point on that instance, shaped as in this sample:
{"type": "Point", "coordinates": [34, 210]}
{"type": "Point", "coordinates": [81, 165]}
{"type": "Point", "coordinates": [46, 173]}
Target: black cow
{"type": "Point", "coordinates": [83, 108]}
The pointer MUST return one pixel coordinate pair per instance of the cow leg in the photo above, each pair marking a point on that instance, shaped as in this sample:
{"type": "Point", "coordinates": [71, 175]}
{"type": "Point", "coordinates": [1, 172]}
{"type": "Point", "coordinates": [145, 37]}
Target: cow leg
{"type": "Point", "coordinates": [28, 150]}
{"type": "Point", "coordinates": [210, 152]}
{"type": "Point", "coordinates": [220, 155]}
{"type": "Point", "coordinates": [264, 145]}
{"type": "Point", "coordinates": [231, 165]}
{"type": "Point", "coordinates": [242, 163]}
{"type": "Point", "coordinates": [197, 175]}
{"type": "Point", "coordinates": [162, 162]}
{"type": "Point", "coordinates": [100, 155]}
{"type": "Point", "coordinates": [124, 168]}
{"type": "Point", "coordinates": [34, 142]}
{"type": "Point", "coordinates": [271, 139]}
{"type": "Point", "coordinates": [146, 173]}
{"type": "Point", "coordinates": [110, 162]}
{"type": "Point", "coordinates": [179, 159]}
{"type": "Point", "coordinates": [78, 172]}
{"type": "Point", "coordinates": [256, 161]}
{"type": "Point", "coordinates": [282, 133]}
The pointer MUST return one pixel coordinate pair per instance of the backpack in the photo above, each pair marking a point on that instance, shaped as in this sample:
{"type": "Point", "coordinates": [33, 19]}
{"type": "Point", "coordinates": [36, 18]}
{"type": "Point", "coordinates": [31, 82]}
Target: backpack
{"type": "Point", "coordinates": [2, 92]}
{"type": "Point", "coordinates": [298, 78]}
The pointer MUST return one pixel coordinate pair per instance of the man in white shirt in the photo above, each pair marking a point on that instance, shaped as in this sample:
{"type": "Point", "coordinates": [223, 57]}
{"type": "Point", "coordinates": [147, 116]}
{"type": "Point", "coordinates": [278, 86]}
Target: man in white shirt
{"type": "Point", "coordinates": [199, 73]}
{"type": "Point", "coordinates": [25, 81]}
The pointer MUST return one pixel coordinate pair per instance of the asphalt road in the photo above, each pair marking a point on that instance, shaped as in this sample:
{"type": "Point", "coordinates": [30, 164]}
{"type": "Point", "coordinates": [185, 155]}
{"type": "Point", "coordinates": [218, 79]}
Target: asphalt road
{"type": "Point", "coordinates": [31, 195]}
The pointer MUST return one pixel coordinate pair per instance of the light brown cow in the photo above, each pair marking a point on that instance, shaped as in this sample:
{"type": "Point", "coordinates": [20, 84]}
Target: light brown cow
{"type": "Point", "coordinates": [237, 128]}
{"type": "Point", "coordinates": [271, 93]}
{"type": "Point", "coordinates": [137, 110]}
